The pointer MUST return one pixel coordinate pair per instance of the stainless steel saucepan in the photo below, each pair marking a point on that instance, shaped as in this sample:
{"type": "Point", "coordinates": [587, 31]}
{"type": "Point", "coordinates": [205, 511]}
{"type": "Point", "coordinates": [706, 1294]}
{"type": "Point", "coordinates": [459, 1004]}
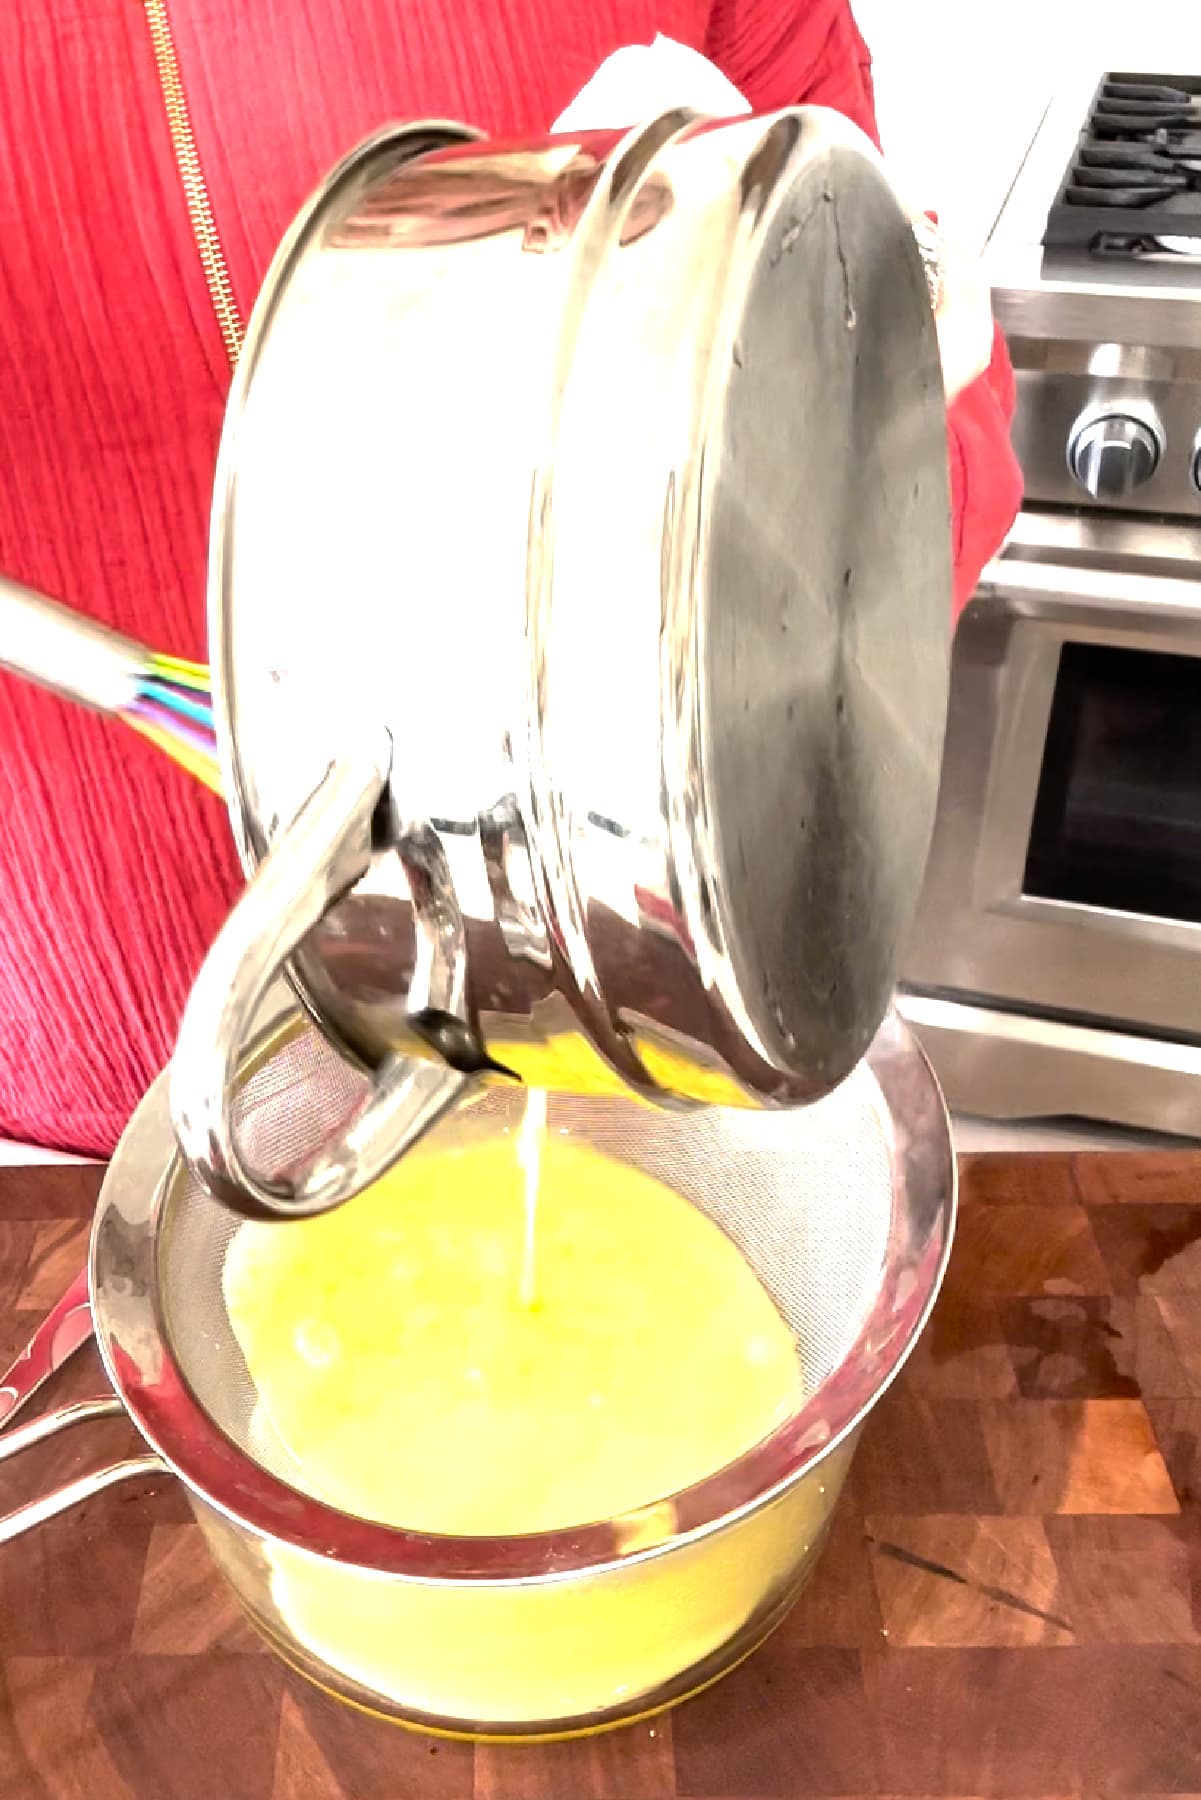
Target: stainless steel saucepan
{"type": "Point", "coordinates": [580, 590]}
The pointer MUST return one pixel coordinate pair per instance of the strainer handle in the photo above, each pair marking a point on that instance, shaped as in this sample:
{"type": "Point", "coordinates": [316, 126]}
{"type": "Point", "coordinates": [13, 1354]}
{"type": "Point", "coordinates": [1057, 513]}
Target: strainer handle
{"type": "Point", "coordinates": [72, 1493]}
{"type": "Point", "coordinates": [311, 865]}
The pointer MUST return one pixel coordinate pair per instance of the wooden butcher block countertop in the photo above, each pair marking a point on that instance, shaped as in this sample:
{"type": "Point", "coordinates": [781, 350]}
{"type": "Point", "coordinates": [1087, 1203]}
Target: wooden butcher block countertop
{"type": "Point", "coordinates": [1010, 1603]}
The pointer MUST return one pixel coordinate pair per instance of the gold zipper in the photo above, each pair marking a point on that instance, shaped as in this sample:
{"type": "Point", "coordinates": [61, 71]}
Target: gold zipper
{"type": "Point", "coordinates": [187, 160]}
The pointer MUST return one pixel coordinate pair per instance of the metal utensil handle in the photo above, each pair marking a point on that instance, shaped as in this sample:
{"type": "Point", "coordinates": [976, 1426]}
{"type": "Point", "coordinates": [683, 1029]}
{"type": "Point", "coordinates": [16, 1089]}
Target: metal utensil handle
{"type": "Point", "coordinates": [24, 1437]}
{"type": "Point", "coordinates": [60, 1499]}
{"type": "Point", "coordinates": [72, 1493]}
{"type": "Point", "coordinates": [57, 1338]}
{"type": "Point", "coordinates": [62, 650]}
{"type": "Point", "coordinates": [313, 863]}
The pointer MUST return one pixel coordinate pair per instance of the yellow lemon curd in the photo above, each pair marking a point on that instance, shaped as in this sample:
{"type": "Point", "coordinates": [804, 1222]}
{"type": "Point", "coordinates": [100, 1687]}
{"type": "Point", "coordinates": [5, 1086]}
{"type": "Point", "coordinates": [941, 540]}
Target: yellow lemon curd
{"type": "Point", "coordinates": [567, 1063]}
{"type": "Point", "coordinates": [422, 1371]}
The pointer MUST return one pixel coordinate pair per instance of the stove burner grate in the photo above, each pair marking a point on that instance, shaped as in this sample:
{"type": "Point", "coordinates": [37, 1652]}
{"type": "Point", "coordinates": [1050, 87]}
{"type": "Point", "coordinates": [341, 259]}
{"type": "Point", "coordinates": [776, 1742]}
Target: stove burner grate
{"type": "Point", "coordinates": [1133, 185]}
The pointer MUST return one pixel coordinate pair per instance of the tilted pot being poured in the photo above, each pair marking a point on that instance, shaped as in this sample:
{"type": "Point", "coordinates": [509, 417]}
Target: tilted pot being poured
{"type": "Point", "coordinates": [580, 588]}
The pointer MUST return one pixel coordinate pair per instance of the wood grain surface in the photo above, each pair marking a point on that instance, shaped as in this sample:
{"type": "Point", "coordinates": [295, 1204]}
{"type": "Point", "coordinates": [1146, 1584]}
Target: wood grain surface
{"type": "Point", "coordinates": [1009, 1605]}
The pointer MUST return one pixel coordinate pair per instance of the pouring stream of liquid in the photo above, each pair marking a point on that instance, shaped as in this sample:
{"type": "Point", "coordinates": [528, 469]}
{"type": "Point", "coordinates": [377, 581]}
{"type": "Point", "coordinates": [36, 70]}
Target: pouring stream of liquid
{"type": "Point", "coordinates": [529, 1155]}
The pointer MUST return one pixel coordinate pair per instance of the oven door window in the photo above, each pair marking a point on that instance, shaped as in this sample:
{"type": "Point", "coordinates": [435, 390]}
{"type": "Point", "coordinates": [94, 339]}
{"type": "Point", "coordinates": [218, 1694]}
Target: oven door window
{"type": "Point", "coordinates": [1117, 819]}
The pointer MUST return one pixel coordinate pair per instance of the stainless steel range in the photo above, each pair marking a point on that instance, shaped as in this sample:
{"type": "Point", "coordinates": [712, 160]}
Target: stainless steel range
{"type": "Point", "coordinates": [1055, 965]}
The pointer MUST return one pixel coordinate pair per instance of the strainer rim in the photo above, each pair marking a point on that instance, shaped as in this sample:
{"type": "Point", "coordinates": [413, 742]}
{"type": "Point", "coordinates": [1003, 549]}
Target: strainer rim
{"type": "Point", "coordinates": [140, 1361]}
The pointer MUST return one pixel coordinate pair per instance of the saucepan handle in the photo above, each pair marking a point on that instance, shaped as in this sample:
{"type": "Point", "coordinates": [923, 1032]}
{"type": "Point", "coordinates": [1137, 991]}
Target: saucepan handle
{"type": "Point", "coordinates": [311, 865]}
{"type": "Point", "coordinates": [60, 1499]}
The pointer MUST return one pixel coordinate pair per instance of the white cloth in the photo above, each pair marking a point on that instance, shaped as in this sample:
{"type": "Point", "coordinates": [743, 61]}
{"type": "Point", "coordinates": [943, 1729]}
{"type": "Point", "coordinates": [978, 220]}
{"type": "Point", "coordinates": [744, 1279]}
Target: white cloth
{"type": "Point", "coordinates": [645, 80]}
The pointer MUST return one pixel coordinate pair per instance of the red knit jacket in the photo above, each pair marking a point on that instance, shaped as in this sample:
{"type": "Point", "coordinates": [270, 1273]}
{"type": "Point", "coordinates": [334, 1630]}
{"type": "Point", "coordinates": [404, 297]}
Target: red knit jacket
{"type": "Point", "coordinates": [115, 870]}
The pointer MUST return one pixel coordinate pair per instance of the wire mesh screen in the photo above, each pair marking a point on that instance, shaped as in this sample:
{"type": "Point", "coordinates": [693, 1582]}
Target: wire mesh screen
{"type": "Point", "coordinates": [806, 1196]}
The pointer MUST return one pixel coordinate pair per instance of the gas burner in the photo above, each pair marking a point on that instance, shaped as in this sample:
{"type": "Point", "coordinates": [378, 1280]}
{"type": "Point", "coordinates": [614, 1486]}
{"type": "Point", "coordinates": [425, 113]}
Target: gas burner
{"type": "Point", "coordinates": [1160, 248]}
{"type": "Point", "coordinates": [1133, 185]}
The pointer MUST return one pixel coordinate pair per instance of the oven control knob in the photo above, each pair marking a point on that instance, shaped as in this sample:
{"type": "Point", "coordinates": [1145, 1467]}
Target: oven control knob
{"type": "Point", "coordinates": [1112, 455]}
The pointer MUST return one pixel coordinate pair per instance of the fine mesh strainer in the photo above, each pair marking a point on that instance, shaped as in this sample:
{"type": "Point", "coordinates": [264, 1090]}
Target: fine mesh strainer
{"type": "Point", "coordinates": [845, 1211]}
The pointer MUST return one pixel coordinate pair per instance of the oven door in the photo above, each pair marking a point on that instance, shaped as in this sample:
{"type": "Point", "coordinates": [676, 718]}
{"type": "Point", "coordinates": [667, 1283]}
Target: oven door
{"type": "Point", "coordinates": [1064, 878]}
